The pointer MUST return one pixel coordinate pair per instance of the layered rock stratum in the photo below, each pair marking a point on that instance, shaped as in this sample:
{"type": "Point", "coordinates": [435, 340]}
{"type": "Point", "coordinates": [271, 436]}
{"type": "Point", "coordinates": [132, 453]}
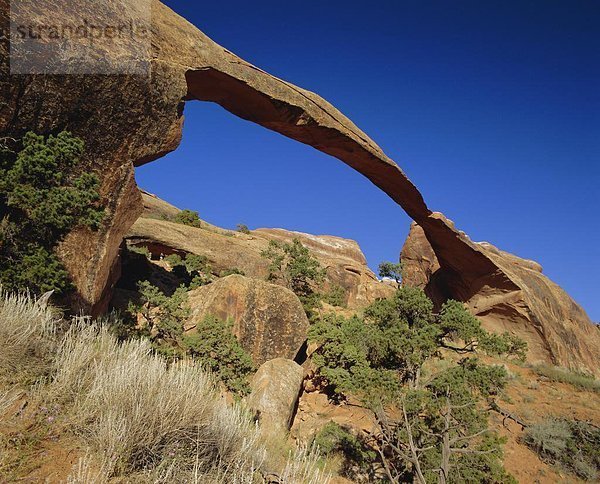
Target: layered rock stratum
{"type": "Point", "coordinates": [130, 120]}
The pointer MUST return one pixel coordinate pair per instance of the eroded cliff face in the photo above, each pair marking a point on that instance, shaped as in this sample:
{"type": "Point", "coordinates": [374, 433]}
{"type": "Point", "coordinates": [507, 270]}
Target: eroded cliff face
{"type": "Point", "coordinates": [515, 296]}
{"type": "Point", "coordinates": [128, 120]}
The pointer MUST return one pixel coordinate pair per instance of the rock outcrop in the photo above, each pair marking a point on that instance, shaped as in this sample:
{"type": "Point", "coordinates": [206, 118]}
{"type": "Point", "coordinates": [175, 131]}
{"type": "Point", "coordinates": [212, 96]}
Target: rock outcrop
{"type": "Point", "coordinates": [512, 295]}
{"type": "Point", "coordinates": [130, 120]}
{"type": "Point", "coordinates": [268, 320]}
{"type": "Point", "coordinates": [276, 387]}
{"type": "Point", "coordinates": [343, 260]}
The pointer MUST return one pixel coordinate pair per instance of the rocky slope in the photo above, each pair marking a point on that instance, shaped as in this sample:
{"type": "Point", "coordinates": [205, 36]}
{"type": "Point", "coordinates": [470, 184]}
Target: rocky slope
{"type": "Point", "coordinates": [512, 295]}
{"type": "Point", "coordinates": [343, 260]}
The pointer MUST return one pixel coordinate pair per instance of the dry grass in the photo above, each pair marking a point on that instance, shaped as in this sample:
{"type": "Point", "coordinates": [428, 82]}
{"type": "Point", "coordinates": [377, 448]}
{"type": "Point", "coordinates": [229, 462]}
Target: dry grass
{"type": "Point", "coordinates": [562, 375]}
{"type": "Point", "coordinates": [146, 417]}
{"type": "Point", "coordinates": [142, 420]}
{"type": "Point", "coordinates": [27, 331]}
{"type": "Point", "coordinates": [7, 400]}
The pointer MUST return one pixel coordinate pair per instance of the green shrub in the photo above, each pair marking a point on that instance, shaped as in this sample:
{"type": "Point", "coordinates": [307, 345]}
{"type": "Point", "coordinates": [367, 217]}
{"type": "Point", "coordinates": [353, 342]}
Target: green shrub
{"type": "Point", "coordinates": [391, 271]}
{"type": "Point", "coordinates": [140, 250]}
{"type": "Point", "coordinates": [336, 297]}
{"type": "Point", "coordinates": [214, 345]}
{"type": "Point", "coordinates": [43, 196]}
{"type": "Point", "coordinates": [194, 271]}
{"type": "Point", "coordinates": [188, 217]}
{"type": "Point", "coordinates": [163, 315]}
{"type": "Point", "coordinates": [231, 272]}
{"type": "Point", "coordinates": [242, 228]}
{"type": "Point", "coordinates": [572, 444]}
{"type": "Point", "coordinates": [293, 266]}
{"type": "Point", "coordinates": [358, 456]}
{"type": "Point", "coordinates": [562, 375]}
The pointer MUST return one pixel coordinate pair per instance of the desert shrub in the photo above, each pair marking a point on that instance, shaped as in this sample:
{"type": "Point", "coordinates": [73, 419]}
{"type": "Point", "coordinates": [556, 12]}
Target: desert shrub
{"type": "Point", "coordinates": [231, 272]}
{"type": "Point", "coordinates": [562, 375]}
{"type": "Point", "coordinates": [243, 228]}
{"type": "Point", "coordinates": [194, 270]}
{"type": "Point", "coordinates": [572, 444]}
{"type": "Point", "coordinates": [358, 455]}
{"type": "Point", "coordinates": [141, 250]}
{"type": "Point", "coordinates": [336, 296]}
{"type": "Point", "coordinates": [143, 414]}
{"type": "Point", "coordinates": [43, 196]}
{"type": "Point", "coordinates": [390, 270]}
{"type": "Point", "coordinates": [292, 265]}
{"type": "Point", "coordinates": [142, 418]}
{"type": "Point", "coordinates": [214, 345]}
{"type": "Point", "coordinates": [188, 217]}
{"type": "Point", "coordinates": [379, 359]}
{"type": "Point", "coordinates": [163, 315]}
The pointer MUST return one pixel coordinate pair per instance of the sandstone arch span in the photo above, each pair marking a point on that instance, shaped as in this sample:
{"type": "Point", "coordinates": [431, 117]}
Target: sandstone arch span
{"type": "Point", "coordinates": [128, 120]}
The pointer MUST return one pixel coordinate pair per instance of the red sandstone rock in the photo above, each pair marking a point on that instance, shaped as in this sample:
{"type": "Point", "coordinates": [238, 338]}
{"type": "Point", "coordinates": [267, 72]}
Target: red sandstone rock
{"type": "Point", "coordinates": [511, 295]}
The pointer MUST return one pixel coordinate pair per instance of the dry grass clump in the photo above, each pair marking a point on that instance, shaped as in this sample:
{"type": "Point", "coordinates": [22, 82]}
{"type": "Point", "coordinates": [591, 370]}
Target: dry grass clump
{"type": "Point", "coordinates": [147, 417]}
{"type": "Point", "coordinates": [27, 330]}
{"type": "Point", "coordinates": [143, 420]}
{"type": "Point", "coordinates": [571, 444]}
{"type": "Point", "coordinates": [562, 375]}
{"type": "Point", "coordinates": [154, 422]}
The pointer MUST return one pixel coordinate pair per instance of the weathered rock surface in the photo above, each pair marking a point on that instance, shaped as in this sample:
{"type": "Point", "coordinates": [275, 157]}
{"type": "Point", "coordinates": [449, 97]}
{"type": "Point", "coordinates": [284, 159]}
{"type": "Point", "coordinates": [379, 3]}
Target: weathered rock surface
{"type": "Point", "coordinates": [315, 411]}
{"type": "Point", "coordinates": [511, 295]}
{"type": "Point", "coordinates": [127, 121]}
{"type": "Point", "coordinates": [343, 260]}
{"type": "Point", "coordinates": [268, 320]}
{"type": "Point", "coordinates": [276, 387]}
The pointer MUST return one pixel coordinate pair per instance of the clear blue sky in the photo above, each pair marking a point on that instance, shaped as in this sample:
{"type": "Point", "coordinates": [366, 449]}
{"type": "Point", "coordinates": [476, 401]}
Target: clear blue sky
{"type": "Point", "coordinates": [491, 107]}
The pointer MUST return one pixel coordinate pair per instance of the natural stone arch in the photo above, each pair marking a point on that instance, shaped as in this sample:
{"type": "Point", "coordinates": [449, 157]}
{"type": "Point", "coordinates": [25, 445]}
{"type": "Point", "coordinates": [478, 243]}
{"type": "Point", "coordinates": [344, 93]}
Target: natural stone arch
{"type": "Point", "coordinates": [127, 121]}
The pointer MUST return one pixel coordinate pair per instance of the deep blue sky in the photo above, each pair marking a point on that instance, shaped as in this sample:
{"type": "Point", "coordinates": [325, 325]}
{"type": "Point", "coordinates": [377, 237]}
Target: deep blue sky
{"type": "Point", "coordinates": [492, 108]}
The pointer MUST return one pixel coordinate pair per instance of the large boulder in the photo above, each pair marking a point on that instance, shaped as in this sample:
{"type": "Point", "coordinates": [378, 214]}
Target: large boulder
{"type": "Point", "coordinates": [276, 387]}
{"type": "Point", "coordinates": [343, 260]}
{"type": "Point", "coordinates": [512, 295]}
{"type": "Point", "coordinates": [268, 320]}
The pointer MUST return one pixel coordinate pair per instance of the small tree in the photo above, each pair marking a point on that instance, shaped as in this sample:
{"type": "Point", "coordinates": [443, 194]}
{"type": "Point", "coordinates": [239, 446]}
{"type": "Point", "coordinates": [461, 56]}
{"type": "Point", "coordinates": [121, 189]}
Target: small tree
{"type": "Point", "coordinates": [212, 343]}
{"type": "Point", "coordinates": [391, 271]}
{"type": "Point", "coordinates": [194, 271]}
{"type": "Point", "coordinates": [163, 315]}
{"type": "Point", "coordinates": [44, 194]}
{"type": "Point", "coordinates": [243, 228]}
{"type": "Point", "coordinates": [437, 428]}
{"type": "Point", "coordinates": [292, 265]}
{"type": "Point", "coordinates": [188, 217]}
